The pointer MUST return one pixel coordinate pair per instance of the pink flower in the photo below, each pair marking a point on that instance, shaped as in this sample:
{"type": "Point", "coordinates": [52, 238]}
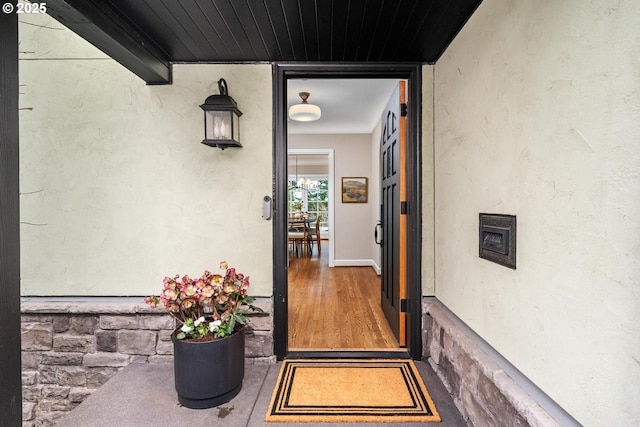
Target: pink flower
{"type": "Point", "coordinates": [207, 291]}
{"type": "Point", "coordinates": [170, 294]}
{"type": "Point", "coordinates": [224, 265]}
{"type": "Point", "coordinates": [191, 290]}
{"type": "Point", "coordinates": [153, 301]}
{"type": "Point", "coordinates": [172, 307]}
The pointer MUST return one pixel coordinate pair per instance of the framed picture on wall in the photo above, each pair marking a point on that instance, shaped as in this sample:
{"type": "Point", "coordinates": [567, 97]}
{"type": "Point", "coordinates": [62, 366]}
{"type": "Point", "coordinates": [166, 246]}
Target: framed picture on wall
{"type": "Point", "coordinates": [355, 189]}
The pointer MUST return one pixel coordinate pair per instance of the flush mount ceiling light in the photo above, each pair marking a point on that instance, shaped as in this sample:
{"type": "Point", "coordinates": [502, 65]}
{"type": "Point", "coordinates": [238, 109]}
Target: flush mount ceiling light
{"type": "Point", "coordinates": [304, 112]}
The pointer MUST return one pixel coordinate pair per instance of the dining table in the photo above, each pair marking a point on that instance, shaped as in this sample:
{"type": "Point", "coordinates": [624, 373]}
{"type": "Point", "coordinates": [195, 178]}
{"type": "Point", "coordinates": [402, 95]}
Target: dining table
{"type": "Point", "coordinates": [301, 221]}
{"type": "Point", "coordinates": [301, 225]}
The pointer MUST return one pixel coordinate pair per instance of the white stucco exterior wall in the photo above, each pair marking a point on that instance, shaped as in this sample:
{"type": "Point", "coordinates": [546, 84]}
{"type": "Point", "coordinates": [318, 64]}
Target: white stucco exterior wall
{"type": "Point", "coordinates": [116, 189]}
{"type": "Point", "coordinates": [537, 106]}
{"type": "Point", "coordinates": [428, 221]}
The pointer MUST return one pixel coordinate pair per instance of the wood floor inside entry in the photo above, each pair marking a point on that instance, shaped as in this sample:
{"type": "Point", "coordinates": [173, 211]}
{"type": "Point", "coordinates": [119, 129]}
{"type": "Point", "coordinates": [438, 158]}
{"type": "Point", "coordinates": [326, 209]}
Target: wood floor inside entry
{"type": "Point", "coordinates": [335, 308]}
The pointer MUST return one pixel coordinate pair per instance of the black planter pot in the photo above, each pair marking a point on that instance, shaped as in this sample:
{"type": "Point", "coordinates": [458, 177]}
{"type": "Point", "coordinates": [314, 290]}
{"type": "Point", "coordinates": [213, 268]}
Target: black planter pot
{"type": "Point", "coordinates": [209, 373]}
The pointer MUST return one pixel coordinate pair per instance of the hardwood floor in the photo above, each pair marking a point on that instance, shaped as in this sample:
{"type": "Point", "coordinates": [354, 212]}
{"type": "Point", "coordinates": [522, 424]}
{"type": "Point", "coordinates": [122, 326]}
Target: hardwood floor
{"type": "Point", "coordinates": [335, 308]}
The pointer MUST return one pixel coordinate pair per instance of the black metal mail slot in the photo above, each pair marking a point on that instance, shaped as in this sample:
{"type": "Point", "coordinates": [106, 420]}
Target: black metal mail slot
{"type": "Point", "coordinates": [495, 239]}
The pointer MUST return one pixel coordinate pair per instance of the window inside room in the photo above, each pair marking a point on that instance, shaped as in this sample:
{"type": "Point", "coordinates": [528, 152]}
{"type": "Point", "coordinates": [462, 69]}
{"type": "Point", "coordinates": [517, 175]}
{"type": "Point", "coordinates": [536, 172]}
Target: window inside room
{"type": "Point", "coordinates": [310, 194]}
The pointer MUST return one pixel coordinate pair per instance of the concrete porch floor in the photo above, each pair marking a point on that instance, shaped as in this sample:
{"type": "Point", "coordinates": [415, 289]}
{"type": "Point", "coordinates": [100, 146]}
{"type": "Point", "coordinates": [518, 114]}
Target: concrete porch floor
{"type": "Point", "coordinates": [143, 395]}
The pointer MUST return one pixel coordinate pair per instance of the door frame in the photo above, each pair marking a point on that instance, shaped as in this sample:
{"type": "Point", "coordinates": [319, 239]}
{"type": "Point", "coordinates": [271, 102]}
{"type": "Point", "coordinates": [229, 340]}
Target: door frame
{"type": "Point", "coordinates": [331, 216]}
{"type": "Point", "coordinates": [412, 72]}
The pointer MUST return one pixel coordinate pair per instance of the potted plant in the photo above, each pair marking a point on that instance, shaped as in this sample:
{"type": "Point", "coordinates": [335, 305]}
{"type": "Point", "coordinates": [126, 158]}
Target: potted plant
{"type": "Point", "coordinates": [208, 343]}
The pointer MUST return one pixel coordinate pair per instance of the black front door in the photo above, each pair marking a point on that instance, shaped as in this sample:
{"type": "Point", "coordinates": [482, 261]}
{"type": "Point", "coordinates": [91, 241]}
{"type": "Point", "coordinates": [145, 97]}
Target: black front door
{"type": "Point", "coordinates": [392, 152]}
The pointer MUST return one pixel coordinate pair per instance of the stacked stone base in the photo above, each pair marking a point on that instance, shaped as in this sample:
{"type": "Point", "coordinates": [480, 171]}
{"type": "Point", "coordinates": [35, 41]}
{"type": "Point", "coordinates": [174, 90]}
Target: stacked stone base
{"type": "Point", "coordinates": [71, 347]}
{"type": "Point", "coordinates": [481, 389]}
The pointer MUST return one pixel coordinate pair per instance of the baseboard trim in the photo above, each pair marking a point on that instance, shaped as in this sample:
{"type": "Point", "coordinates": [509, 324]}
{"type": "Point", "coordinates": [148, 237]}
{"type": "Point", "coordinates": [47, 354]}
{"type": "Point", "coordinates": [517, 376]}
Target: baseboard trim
{"type": "Point", "coordinates": [353, 262]}
{"type": "Point", "coordinates": [376, 267]}
{"type": "Point", "coordinates": [358, 263]}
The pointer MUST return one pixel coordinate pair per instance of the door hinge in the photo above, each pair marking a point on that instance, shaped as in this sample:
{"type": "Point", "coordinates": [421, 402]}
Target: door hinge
{"type": "Point", "coordinates": [404, 109]}
{"type": "Point", "coordinates": [404, 306]}
{"type": "Point", "coordinates": [404, 208]}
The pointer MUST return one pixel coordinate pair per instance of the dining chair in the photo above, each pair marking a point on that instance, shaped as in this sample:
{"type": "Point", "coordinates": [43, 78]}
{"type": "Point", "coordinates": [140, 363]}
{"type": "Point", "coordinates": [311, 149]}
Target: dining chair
{"type": "Point", "coordinates": [314, 235]}
{"type": "Point", "coordinates": [298, 238]}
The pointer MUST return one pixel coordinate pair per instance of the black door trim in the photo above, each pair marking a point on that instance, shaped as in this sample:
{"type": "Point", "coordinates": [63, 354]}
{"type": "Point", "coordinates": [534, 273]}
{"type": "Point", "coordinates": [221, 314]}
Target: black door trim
{"type": "Point", "coordinates": [344, 354]}
{"type": "Point", "coordinates": [10, 354]}
{"type": "Point", "coordinates": [413, 73]}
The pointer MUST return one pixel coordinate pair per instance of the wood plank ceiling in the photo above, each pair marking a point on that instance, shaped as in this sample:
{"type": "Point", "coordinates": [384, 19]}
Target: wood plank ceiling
{"type": "Point", "coordinates": [148, 35]}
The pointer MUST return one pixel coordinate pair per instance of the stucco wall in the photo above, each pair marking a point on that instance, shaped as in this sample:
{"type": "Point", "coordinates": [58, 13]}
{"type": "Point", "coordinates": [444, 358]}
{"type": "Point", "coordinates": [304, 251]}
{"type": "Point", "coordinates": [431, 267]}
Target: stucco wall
{"type": "Point", "coordinates": [428, 248]}
{"type": "Point", "coordinates": [116, 189]}
{"type": "Point", "coordinates": [537, 106]}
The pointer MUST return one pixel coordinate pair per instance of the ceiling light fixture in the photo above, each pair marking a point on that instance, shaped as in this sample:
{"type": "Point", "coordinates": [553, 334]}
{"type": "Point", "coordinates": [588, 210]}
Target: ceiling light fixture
{"type": "Point", "coordinates": [221, 119]}
{"type": "Point", "coordinates": [303, 183]}
{"type": "Point", "coordinates": [304, 112]}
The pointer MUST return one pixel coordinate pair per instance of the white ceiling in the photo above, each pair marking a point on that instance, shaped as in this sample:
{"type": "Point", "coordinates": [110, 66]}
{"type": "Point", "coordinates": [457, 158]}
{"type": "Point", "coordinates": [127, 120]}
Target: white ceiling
{"type": "Point", "coordinates": [348, 105]}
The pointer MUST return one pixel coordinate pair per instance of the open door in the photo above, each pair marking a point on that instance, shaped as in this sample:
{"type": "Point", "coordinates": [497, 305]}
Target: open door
{"type": "Point", "coordinates": [393, 213]}
{"type": "Point", "coordinates": [412, 319]}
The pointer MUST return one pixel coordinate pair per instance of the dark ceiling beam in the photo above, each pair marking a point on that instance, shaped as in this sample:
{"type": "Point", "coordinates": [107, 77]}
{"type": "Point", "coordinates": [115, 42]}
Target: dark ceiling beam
{"type": "Point", "coordinates": [100, 25]}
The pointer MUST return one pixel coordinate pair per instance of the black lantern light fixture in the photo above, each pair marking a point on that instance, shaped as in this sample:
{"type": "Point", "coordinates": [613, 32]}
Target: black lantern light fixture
{"type": "Point", "coordinates": [221, 119]}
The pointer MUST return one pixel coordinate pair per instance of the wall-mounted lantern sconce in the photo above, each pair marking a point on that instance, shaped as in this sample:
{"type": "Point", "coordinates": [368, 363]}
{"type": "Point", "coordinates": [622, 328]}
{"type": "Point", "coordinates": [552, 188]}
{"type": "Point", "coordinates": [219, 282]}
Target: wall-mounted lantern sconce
{"type": "Point", "coordinates": [221, 119]}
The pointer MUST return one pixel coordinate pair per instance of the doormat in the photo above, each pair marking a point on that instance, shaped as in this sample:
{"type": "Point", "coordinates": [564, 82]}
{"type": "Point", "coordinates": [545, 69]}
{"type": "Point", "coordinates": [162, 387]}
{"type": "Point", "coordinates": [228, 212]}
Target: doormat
{"type": "Point", "coordinates": [350, 391]}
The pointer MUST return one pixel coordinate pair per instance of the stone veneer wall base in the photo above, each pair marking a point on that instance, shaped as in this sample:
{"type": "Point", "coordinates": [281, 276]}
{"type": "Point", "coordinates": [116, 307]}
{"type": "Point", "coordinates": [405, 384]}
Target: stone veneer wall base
{"type": "Point", "coordinates": [485, 387]}
{"type": "Point", "coordinates": [71, 346]}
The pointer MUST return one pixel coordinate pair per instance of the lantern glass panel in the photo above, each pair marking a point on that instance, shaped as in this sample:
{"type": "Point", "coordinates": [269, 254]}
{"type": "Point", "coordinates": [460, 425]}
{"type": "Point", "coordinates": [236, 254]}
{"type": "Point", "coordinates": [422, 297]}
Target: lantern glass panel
{"type": "Point", "coordinates": [236, 127]}
{"type": "Point", "coordinates": [218, 125]}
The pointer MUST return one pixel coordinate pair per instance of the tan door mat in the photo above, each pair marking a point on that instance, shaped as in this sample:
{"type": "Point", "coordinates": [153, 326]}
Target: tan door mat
{"type": "Point", "coordinates": [350, 391]}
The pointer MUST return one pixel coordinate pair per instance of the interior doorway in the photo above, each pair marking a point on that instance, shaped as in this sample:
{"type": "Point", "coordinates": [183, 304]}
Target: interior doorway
{"type": "Point", "coordinates": [315, 165]}
{"type": "Point", "coordinates": [282, 73]}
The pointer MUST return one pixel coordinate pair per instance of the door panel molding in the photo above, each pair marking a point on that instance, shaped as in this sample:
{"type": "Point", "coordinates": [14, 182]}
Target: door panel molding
{"type": "Point", "coordinates": [412, 72]}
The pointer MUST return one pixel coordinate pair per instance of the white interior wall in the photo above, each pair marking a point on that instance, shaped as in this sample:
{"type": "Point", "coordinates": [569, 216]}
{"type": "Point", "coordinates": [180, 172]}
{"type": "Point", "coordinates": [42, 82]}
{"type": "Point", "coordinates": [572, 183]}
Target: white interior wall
{"type": "Point", "coordinates": [537, 105]}
{"type": "Point", "coordinates": [116, 189]}
{"type": "Point", "coordinates": [312, 170]}
{"type": "Point", "coordinates": [353, 221]}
